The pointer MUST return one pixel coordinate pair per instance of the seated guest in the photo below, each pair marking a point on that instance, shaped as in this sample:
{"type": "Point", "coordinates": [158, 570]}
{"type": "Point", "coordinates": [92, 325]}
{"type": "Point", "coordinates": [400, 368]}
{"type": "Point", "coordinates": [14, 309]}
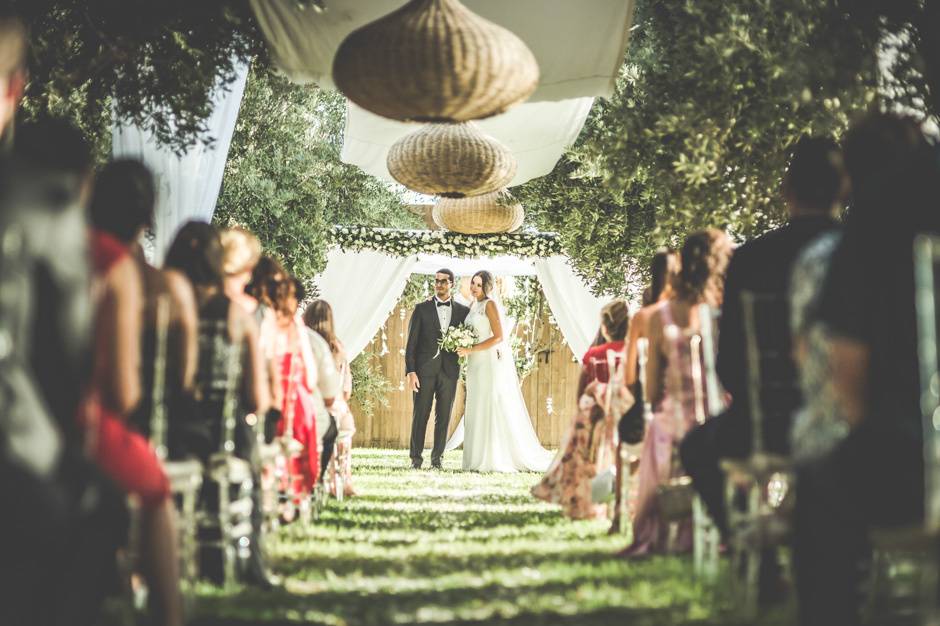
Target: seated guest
{"type": "Point", "coordinates": [671, 384]}
{"type": "Point", "coordinates": [122, 206]}
{"type": "Point", "coordinates": [63, 521]}
{"type": "Point", "coordinates": [614, 323]}
{"type": "Point", "coordinates": [663, 269]}
{"type": "Point", "coordinates": [226, 333]}
{"type": "Point", "coordinates": [241, 252]}
{"type": "Point", "coordinates": [875, 475]}
{"type": "Point", "coordinates": [813, 188]}
{"type": "Point", "coordinates": [588, 448]}
{"type": "Point", "coordinates": [266, 274]}
{"type": "Point", "coordinates": [124, 454]}
{"type": "Point", "coordinates": [334, 385]}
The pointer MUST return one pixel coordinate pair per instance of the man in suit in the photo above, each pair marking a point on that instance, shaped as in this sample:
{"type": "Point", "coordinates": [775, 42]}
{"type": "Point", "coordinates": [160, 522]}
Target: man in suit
{"type": "Point", "coordinates": [432, 374]}
{"type": "Point", "coordinates": [814, 187]}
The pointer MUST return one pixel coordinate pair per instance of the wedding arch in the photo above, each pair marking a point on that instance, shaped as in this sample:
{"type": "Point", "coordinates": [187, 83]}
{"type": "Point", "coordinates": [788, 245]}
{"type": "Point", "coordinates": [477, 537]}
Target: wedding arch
{"type": "Point", "coordinates": [367, 270]}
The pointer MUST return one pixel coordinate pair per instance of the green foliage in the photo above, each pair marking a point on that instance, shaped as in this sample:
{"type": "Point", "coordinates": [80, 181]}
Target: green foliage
{"type": "Point", "coordinates": [284, 179]}
{"type": "Point", "coordinates": [370, 387]}
{"type": "Point", "coordinates": [708, 104]}
{"type": "Point", "coordinates": [449, 547]}
{"type": "Point", "coordinates": [154, 62]}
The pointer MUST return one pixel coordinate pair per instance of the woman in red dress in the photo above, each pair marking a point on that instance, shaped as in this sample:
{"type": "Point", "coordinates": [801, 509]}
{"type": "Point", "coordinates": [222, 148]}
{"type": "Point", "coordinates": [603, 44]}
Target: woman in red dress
{"type": "Point", "coordinates": [123, 454]}
{"type": "Point", "coordinates": [298, 376]}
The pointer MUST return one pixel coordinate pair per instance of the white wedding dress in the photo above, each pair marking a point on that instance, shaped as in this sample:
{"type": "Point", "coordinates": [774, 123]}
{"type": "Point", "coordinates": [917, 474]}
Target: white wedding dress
{"type": "Point", "coordinates": [497, 432]}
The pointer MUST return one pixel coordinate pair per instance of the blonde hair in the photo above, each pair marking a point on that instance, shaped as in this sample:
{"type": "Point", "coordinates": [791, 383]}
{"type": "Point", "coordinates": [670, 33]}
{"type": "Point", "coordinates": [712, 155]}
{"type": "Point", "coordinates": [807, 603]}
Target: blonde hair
{"type": "Point", "coordinates": [241, 250]}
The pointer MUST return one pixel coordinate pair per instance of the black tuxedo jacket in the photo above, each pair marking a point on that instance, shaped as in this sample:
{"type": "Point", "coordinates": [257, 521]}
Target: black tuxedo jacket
{"type": "Point", "coordinates": [763, 266]}
{"type": "Point", "coordinates": [424, 332]}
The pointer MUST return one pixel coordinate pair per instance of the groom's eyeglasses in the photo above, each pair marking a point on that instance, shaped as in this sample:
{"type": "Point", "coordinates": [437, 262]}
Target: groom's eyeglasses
{"type": "Point", "coordinates": [441, 281]}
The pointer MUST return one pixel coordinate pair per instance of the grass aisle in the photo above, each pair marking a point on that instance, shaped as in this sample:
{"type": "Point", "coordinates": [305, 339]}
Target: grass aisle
{"type": "Point", "coordinates": [431, 547]}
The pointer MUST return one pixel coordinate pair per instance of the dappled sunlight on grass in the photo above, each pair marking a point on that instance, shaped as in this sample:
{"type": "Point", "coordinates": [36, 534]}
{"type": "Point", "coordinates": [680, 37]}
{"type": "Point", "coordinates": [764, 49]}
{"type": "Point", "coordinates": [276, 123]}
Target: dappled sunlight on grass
{"type": "Point", "coordinates": [448, 547]}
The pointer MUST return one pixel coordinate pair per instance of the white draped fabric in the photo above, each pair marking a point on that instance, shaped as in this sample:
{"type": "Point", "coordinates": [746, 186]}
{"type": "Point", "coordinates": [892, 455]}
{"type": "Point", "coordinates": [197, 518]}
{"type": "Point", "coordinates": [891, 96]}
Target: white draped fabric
{"type": "Point", "coordinates": [363, 288]}
{"type": "Point", "coordinates": [498, 266]}
{"type": "Point", "coordinates": [576, 309]}
{"type": "Point", "coordinates": [578, 47]}
{"type": "Point", "coordinates": [537, 134]}
{"type": "Point", "coordinates": [188, 185]}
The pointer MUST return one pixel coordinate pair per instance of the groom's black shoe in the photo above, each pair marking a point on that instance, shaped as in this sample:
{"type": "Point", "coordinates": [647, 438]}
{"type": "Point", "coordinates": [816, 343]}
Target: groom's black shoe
{"type": "Point", "coordinates": [416, 465]}
{"type": "Point", "coordinates": [437, 465]}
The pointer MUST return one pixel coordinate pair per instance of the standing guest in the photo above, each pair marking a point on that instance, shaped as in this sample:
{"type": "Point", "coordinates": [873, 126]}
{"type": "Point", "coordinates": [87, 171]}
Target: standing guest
{"type": "Point", "coordinates": [122, 206]}
{"type": "Point", "coordinates": [874, 364]}
{"type": "Point", "coordinates": [335, 384]}
{"type": "Point", "coordinates": [588, 447]}
{"type": "Point", "coordinates": [670, 381]}
{"type": "Point", "coordinates": [813, 188]}
{"type": "Point", "coordinates": [298, 375]}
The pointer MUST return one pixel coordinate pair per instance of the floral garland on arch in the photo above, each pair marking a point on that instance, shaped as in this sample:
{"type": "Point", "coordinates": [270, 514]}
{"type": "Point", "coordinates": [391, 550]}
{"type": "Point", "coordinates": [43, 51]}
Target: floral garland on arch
{"type": "Point", "coordinates": [409, 242]}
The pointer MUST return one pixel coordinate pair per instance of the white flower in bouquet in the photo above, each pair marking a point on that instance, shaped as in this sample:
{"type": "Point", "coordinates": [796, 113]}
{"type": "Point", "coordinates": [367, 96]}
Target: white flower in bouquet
{"type": "Point", "coordinates": [462, 336]}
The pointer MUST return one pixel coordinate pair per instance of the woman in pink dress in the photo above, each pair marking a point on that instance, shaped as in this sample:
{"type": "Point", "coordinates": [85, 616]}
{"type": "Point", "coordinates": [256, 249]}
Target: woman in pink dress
{"type": "Point", "coordinates": [670, 383]}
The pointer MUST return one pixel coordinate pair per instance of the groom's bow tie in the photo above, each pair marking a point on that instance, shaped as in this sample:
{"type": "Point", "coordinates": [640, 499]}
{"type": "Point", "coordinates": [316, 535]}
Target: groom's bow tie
{"type": "Point", "coordinates": [439, 303]}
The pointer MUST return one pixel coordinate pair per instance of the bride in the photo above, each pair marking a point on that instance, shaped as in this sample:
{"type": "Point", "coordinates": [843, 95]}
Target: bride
{"type": "Point", "coordinates": [498, 433]}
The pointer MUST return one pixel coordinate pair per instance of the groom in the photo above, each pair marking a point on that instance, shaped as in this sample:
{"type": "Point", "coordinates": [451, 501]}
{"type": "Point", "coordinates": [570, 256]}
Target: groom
{"type": "Point", "coordinates": [432, 374]}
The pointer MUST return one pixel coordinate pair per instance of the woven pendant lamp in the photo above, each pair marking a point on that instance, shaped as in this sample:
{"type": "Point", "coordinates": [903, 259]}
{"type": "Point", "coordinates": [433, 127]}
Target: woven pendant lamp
{"type": "Point", "coordinates": [451, 161]}
{"type": "Point", "coordinates": [434, 61]}
{"type": "Point", "coordinates": [495, 212]}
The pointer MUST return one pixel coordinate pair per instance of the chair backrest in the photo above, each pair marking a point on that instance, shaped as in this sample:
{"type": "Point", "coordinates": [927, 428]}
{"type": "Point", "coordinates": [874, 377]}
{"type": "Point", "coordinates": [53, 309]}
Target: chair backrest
{"type": "Point", "coordinates": [230, 404]}
{"type": "Point", "coordinates": [158, 419]}
{"type": "Point", "coordinates": [642, 357]}
{"type": "Point", "coordinates": [773, 387]}
{"type": "Point", "coordinates": [926, 275]}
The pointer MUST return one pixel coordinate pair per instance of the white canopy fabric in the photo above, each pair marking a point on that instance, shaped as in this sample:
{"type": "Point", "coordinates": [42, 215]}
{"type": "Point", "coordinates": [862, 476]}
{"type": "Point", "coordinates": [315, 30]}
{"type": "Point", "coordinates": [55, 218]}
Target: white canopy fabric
{"type": "Point", "coordinates": [537, 133]}
{"type": "Point", "coordinates": [579, 46]}
{"type": "Point", "coordinates": [187, 186]}
{"type": "Point", "coordinates": [363, 288]}
{"type": "Point", "coordinates": [498, 266]}
{"type": "Point", "coordinates": [576, 309]}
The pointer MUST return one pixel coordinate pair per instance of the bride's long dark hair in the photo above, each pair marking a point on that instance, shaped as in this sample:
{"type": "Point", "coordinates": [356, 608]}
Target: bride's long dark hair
{"type": "Point", "coordinates": [487, 279]}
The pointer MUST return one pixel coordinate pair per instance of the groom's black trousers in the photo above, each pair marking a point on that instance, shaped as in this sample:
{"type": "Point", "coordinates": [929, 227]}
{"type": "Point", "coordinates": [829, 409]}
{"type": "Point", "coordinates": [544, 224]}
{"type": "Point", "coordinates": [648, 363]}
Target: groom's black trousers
{"type": "Point", "coordinates": [444, 388]}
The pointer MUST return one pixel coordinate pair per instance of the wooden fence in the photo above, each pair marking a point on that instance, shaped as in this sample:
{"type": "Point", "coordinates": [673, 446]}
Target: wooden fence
{"type": "Point", "coordinates": [549, 390]}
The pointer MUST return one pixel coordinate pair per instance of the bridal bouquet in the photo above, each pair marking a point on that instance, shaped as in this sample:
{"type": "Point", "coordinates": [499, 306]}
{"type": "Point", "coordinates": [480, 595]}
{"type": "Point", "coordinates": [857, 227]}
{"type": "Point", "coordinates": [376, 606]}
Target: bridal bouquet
{"type": "Point", "coordinates": [462, 336]}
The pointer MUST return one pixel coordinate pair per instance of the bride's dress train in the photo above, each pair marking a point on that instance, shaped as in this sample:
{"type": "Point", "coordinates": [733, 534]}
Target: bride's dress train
{"type": "Point", "coordinates": [497, 432]}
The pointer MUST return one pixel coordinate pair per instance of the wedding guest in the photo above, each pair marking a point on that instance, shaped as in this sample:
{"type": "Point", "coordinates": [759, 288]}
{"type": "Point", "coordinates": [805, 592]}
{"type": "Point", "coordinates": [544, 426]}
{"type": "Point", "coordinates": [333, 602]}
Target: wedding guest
{"type": "Point", "coordinates": [298, 375]}
{"type": "Point", "coordinates": [63, 521]}
{"type": "Point", "coordinates": [874, 365]}
{"type": "Point", "coordinates": [663, 270]}
{"type": "Point", "coordinates": [813, 188]}
{"type": "Point", "coordinates": [247, 273]}
{"type": "Point", "coordinates": [588, 447]}
{"type": "Point", "coordinates": [122, 206]}
{"type": "Point", "coordinates": [124, 454]}
{"type": "Point", "coordinates": [671, 384]}
{"type": "Point", "coordinates": [241, 252]}
{"type": "Point", "coordinates": [613, 330]}
{"type": "Point", "coordinates": [334, 384]}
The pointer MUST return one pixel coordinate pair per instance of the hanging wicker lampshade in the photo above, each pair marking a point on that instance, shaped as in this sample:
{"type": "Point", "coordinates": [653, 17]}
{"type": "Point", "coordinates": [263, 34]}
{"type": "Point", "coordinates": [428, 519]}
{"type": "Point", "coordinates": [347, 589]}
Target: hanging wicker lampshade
{"type": "Point", "coordinates": [495, 212]}
{"type": "Point", "coordinates": [434, 61]}
{"type": "Point", "coordinates": [451, 161]}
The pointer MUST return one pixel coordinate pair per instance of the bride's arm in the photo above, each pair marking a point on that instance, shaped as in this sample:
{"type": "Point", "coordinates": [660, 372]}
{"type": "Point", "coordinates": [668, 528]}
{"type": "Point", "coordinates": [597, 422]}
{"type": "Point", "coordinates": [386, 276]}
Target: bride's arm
{"type": "Point", "coordinates": [495, 326]}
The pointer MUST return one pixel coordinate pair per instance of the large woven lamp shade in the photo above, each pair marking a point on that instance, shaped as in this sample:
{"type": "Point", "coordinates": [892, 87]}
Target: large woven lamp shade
{"type": "Point", "coordinates": [495, 212]}
{"type": "Point", "coordinates": [451, 161]}
{"type": "Point", "coordinates": [435, 61]}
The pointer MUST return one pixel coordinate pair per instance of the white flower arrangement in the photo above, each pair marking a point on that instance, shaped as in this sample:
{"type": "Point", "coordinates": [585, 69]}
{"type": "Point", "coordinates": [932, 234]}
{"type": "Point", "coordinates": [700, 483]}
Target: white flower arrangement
{"type": "Point", "coordinates": [409, 242]}
{"type": "Point", "coordinates": [455, 337]}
